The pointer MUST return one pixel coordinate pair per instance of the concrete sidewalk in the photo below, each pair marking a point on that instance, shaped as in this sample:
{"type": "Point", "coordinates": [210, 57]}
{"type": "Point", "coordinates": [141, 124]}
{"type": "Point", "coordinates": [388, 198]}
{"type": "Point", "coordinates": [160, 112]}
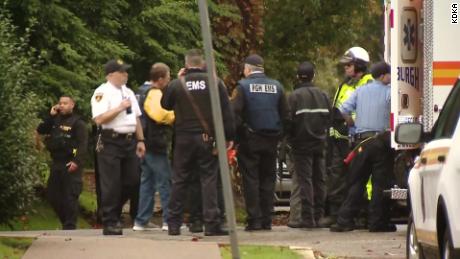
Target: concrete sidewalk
{"type": "Point", "coordinates": [356, 244]}
{"type": "Point", "coordinates": [100, 247]}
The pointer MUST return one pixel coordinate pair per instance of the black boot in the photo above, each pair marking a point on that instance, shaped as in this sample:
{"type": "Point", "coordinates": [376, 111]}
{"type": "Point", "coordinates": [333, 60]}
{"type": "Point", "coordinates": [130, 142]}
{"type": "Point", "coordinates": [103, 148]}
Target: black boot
{"type": "Point", "coordinates": [196, 227]}
{"type": "Point", "coordinates": [112, 230]}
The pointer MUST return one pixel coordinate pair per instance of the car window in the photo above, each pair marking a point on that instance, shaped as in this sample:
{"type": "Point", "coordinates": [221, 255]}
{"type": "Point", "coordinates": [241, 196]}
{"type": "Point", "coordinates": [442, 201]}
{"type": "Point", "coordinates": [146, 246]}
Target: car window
{"type": "Point", "coordinates": [445, 126]}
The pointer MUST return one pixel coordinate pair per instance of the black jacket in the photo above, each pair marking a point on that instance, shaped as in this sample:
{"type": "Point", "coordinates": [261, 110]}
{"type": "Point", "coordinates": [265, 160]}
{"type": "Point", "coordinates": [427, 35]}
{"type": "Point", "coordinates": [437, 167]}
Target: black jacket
{"type": "Point", "coordinates": [77, 134]}
{"type": "Point", "coordinates": [309, 117]}
{"type": "Point", "coordinates": [175, 98]}
{"type": "Point", "coordinates": [155, 134]}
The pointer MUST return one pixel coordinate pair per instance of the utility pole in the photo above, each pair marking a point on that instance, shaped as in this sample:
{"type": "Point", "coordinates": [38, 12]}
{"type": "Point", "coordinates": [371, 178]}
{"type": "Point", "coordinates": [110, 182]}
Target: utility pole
{"type": "Point", "coordinates": [219, 126]}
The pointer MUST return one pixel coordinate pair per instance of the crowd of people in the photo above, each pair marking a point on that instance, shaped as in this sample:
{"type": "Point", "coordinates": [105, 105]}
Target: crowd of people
{"type": "Point", "coordinates": [339, 147]}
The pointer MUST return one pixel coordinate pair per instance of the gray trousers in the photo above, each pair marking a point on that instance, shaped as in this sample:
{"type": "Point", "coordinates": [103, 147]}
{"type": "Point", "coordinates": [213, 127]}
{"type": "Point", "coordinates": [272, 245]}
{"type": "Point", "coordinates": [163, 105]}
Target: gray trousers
{"type": "Point", "coordinates": [295, 203]}
{"type": "Point", "coordinates": [310, 171]}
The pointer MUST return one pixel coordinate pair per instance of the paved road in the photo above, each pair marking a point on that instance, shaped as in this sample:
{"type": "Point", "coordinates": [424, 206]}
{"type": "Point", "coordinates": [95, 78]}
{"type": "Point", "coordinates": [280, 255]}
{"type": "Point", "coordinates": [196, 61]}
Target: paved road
{"type": "Point", "coordinates": [355, 244]}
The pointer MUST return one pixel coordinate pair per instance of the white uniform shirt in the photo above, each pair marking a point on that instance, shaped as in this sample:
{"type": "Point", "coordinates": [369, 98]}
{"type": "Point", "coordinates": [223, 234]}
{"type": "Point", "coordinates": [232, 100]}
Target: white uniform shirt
{"type": "Point", "coordinates": [107, 97]}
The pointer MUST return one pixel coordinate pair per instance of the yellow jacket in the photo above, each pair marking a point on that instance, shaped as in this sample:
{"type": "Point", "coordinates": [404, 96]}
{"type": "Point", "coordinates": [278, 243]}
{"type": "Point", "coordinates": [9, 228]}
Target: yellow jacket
{"type": "Point", "coordinates": [153, 109]}
{"type": "Point", "coordinates": [343, 93]}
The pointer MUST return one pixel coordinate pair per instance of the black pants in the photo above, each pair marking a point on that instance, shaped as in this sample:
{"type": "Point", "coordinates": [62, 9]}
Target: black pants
{"type": "Point", "coordinates": [119, 175]}
{"type": "Point", "coordinates": [64, 188]}
{"type": "Point", "coordinates": [131, 194]}
{"type": "Point", "coordinates": [195, 200]}
{"type": "Point", "coordinates": [193, 156]}
{"type": "Point", "coordinates": [376, 159]}
{"type": "Point", "coordinates": [257, 162]}
{"type": "Point", "coordinates": [310, 169]}
{"type": "Point", "coordinates": [336, 175]}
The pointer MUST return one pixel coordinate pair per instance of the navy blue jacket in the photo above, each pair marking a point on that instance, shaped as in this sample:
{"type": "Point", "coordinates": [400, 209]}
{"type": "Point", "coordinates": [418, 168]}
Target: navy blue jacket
{"type": "Point", "coordinates": [260, 105]}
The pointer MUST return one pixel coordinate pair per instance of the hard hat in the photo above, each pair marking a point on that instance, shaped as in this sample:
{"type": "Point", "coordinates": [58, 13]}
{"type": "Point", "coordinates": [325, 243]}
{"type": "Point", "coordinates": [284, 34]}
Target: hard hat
{"type": "Point", "coordinates": [355, 54]}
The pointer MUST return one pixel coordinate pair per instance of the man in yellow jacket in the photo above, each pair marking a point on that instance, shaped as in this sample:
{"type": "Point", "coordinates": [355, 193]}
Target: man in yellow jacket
{"type": "Point", "coordinates": [156, 169]}
{"type": "Point", "coordinates": [355, 62]}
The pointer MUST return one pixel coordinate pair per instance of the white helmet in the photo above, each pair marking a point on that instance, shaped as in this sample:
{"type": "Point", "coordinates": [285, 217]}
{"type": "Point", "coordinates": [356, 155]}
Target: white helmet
{"type": "Point", "coordinates": [355, 54]}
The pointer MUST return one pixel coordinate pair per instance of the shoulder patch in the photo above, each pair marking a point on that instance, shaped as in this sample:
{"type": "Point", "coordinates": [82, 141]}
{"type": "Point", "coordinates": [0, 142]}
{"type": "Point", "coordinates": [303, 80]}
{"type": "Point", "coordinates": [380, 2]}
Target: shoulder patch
{"type": "Point", "coordinates": [99, 96]}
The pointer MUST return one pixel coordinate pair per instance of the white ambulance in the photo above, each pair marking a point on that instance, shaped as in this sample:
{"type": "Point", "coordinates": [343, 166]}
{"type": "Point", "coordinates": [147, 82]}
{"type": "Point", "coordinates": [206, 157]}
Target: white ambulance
{"type": "Point", "coordinates": [422, 45]}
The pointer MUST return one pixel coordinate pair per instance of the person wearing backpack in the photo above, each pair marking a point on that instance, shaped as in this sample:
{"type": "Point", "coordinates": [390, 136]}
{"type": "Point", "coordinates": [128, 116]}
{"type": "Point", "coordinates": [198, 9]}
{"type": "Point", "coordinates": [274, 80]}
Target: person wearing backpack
{"type": "Point", "coordinates": [66, 138]}
{"type": "Point", "coordinates": [156, 170]}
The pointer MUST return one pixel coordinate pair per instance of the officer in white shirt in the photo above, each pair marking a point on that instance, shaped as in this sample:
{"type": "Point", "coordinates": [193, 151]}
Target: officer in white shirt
{"type": "Point", "coordinates": [120, 143]}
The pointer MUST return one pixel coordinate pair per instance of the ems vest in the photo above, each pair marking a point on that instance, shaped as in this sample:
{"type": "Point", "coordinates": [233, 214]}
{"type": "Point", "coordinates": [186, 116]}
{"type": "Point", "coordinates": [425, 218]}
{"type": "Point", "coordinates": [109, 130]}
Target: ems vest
{"type": "Point", "coordinates": [343, 93]}
{"type": "Point", "coordinates": [196, 82]}
{"type": "Point", "coordinates": [262, 98]}
{"type": "Point", "coordinates": [61, 141]}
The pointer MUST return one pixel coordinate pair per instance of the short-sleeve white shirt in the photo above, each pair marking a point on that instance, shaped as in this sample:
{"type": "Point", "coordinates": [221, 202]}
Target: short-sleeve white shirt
{"type": "Point", "coordinates": [107, 97]}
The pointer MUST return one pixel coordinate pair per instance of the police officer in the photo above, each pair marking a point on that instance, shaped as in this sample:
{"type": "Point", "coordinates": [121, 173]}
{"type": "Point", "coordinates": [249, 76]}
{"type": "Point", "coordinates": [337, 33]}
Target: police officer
{"type": "Point", "coordinates": [373, 153]}
{"type": "Point", "coordinates": [66, 139]}
{"type": "Point", "coordinates": [261, 109]}
{"type": "Point", "coordinates": [194, 153]}
{"type": "Point", "coordinates": [309, 116]}
{"type": "Point", "coordinates": [355, 61]}
{"type": "Point", "coordinates": [120, 143]}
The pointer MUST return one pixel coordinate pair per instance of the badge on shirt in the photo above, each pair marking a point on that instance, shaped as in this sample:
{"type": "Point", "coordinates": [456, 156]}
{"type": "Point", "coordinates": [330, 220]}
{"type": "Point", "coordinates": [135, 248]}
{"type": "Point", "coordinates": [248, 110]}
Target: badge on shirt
{"type": "Point", "coordinates": [98, 97]}
{"type": "Point", "coordinates": [65, 128]}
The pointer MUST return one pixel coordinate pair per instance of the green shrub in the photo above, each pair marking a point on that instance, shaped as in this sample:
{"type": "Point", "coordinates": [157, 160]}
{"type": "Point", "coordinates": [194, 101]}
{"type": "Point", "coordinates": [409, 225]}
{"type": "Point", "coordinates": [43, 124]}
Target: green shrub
{"type": "Point", "coordinates": [19, 159]}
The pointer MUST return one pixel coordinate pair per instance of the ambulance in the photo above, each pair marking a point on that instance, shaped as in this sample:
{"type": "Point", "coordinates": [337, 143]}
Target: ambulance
{"type": "Point", "coordinates": [422, 44]}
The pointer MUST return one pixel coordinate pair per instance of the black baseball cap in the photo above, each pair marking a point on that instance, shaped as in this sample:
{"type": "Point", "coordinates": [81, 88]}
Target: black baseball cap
{"type": "Point", "coordinates": [306, 70]}
{"type": "Point", "coordinates": [254, 60]}
{"type": "Point", "coordinates": [379, 69]}
{"type": "Point", "coordinates": [115, 65]}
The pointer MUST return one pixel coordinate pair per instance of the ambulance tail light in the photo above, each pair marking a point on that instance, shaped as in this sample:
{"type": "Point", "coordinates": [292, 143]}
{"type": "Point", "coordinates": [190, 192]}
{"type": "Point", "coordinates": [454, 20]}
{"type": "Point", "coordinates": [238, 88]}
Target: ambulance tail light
{"type": "Point", "coordinates": [391, 18]}
{"type": "Point", "coordinates": [392, 122]}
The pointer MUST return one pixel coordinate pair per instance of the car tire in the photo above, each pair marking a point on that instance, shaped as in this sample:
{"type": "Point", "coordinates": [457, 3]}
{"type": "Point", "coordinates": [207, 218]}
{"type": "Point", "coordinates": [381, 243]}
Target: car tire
{"type": "Point", "coordinates": [447, 247]}
{"type": "Point", "coordinates": [413, 248]}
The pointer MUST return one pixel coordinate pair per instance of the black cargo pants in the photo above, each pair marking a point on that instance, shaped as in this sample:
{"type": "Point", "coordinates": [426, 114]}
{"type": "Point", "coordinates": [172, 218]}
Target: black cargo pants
{"type": "Point", "coordinates": [194, 156]}
{"type": "Point", "coordinates": [336, 172]}
{"type": "Point", "coordinates": [63, 190]}
{"type": "Point", "coordinates": [119, 175]}
{"type": "Point", "coordinates": [375, 159]}
{"type": "Point", "coordinates": [257, 162]}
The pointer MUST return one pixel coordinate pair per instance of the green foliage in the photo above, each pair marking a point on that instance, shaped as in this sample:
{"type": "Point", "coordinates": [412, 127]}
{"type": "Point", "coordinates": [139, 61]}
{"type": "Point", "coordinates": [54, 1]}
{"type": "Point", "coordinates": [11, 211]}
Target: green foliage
{"type": "Point", "coordinates": [19, 160]}
{"type": "Point", "coordinates": [75, 38]}
{"type": "Point", "coordinates": [14, 247]}
{"type": "Point", "coordinates": [319, 31]}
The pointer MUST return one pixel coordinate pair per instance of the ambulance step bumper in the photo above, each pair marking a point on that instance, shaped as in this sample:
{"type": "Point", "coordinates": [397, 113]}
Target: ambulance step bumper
{"type": "Point", "coordinates": [396, 193]}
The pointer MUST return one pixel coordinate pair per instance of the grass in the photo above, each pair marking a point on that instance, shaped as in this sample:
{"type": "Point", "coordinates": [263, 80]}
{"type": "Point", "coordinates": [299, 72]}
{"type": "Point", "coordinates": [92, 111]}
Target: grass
{"type": "Point", "coordinates": [240, 216]}
{"type": "Point", "coordinates": [40, 217]}
{"type": "Point", "coordinates": [14, 247]}
{"type": "Point", "coordinates": [261, 252]}
{"type": "Point", "coordinates": [88, 201]}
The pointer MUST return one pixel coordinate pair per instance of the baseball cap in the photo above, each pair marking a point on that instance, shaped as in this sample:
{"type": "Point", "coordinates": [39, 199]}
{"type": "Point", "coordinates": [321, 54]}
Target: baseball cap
{"type": "Point", "coordinates": [254, 60]}
{"type": "Point", "coordinates": [379, 69]}
{"type": "Point", "coordinates": [306, 70]}
{"type": "Point", "coordinates": [115, 65]}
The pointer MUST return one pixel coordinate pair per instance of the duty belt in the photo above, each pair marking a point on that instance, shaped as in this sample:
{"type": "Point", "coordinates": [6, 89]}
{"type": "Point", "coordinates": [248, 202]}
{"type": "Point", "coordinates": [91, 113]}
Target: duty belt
{"type": "Point", "coordinates": [113, 134]}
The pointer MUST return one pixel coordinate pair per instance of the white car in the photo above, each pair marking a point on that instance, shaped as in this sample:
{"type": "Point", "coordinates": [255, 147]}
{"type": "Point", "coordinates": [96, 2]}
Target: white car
{"type": "Point", "coordinates": [434, 184]}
